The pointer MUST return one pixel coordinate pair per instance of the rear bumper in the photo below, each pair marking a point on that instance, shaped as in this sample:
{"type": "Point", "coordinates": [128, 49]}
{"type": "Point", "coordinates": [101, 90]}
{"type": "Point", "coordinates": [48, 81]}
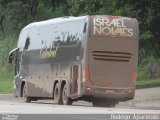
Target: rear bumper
{"type": "Point", "coordinates": [119, 94]}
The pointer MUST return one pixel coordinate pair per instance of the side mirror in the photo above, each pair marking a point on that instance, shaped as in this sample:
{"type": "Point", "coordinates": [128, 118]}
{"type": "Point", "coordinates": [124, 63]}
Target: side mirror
{"type": "Point", "coordinates": [12, 54]}
{"type": "Point", "coordinates": [10, 58]}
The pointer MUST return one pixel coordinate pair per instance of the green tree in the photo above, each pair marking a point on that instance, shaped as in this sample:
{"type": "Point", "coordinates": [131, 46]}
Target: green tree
{"type": "Point", "coordinates": [16, 14]}
{"type": "Point", "coordinates": [148, 16]}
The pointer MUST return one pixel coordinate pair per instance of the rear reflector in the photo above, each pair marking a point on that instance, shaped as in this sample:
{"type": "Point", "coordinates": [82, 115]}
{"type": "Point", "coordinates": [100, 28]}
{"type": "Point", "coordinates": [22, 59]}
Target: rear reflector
{"type": "Point", "coordinates": [88, 89]}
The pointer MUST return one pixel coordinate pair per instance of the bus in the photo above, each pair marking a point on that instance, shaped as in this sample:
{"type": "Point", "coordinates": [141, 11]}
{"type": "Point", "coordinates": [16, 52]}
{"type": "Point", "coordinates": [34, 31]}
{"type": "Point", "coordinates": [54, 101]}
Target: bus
{"type": "Point", "coordinates": [91, 58]}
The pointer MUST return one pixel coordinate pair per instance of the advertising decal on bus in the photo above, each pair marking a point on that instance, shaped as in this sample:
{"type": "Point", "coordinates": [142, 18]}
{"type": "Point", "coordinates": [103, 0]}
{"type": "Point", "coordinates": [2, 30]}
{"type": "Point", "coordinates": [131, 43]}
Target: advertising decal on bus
{"type": "Point", "coordinates": [111, 27]}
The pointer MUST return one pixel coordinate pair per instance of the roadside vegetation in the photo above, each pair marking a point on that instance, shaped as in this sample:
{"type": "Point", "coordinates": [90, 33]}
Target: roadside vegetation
{"type": "Point", "coordinates": [6, 70]}
{"type": "Point", "coordinates": [16, 14]}
{"type": "Point", "coordinates": [143, 77]}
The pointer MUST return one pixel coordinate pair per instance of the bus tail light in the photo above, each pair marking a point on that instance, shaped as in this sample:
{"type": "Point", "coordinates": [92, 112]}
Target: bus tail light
{"type": "Point", "coordinates": [133, 76]}
{"type": "Point", "coordinates": [85, 74]}
{"type": "Point", "coordinates": [86, 77]}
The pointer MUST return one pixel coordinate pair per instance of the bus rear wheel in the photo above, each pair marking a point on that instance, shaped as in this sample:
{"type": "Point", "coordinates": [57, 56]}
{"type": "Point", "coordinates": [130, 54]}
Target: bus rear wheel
{"type": "Point", "coordinates": [58, 94]}
{"type": "Point", "coordinates": [25, 97]}
{"type": "Point", "coordinates": [66, 100]}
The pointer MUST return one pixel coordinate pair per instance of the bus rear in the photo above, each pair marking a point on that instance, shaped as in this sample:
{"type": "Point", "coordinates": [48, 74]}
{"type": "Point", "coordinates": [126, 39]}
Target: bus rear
{"type": "Point", "coordinates": [112, 57]}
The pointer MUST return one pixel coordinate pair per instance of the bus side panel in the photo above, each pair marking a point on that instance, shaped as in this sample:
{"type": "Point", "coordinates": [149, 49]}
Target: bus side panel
{"type": "Point", "coordinates": [31, 81]}
{"type": "Point", "coordinates": [49, 78]}
{"type": "Point", "coordinates": [51, 52]}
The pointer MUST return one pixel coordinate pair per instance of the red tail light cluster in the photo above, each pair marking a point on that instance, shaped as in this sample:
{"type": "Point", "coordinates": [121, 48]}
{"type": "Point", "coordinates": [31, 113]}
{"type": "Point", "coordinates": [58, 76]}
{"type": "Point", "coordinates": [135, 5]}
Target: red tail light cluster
{"type": "Point", "coordinates": [134, 76]}
{"type": "Point", "coordinates": [85, 72]}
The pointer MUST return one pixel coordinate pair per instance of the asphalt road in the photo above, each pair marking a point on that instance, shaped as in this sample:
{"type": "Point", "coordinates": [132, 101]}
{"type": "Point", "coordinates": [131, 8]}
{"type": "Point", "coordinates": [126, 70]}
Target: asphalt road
{"type": "Point", "coordinates": [147, 101]}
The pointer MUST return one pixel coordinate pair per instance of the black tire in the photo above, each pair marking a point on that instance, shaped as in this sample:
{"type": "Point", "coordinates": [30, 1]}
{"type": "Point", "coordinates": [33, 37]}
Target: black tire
{"type": "Point", "coordinates": [66, 100]}
{"type": "Point", "coordinates": [25, 97]}
{"type": "Point", "coordinates": [58, 94]}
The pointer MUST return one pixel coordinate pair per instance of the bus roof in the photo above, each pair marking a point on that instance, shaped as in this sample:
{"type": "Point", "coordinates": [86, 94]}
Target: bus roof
{"type": "Point", "coordinates": [54, 21]}
{"type": "Point", "coordinates": [93, 17]}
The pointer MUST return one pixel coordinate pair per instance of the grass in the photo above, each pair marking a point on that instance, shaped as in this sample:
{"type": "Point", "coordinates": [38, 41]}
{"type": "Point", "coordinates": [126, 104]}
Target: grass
{"type": "Point", "coordinates": [149, 82]}
{"type": "Point", "coordinates": [7, 43]}
{"type": "Point", "coordinates": [143, 78]}
{"type": "Point", "coordinates": [6, 81]}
